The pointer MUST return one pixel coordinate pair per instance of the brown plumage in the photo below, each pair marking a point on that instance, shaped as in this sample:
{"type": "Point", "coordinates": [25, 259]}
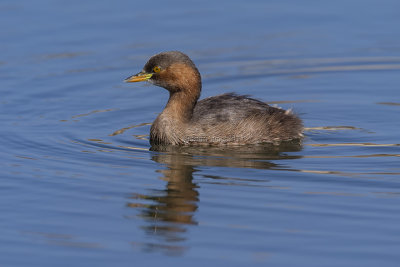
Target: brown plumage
{"type": "Point", "coordinates": [222, 119]}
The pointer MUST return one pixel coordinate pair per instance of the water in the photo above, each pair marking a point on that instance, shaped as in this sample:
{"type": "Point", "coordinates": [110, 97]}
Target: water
{"type": "Point", "coordinates": [80, 185]}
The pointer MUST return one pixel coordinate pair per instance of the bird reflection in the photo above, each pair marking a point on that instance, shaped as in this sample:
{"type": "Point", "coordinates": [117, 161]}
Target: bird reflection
{"type": "Point", "coordinates": [172, 210]}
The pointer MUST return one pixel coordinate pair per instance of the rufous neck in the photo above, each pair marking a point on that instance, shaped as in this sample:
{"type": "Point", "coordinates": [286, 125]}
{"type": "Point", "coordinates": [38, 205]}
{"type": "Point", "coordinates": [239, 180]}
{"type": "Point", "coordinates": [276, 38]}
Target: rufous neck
{"type": "Point", "coordinates": [181, 104]}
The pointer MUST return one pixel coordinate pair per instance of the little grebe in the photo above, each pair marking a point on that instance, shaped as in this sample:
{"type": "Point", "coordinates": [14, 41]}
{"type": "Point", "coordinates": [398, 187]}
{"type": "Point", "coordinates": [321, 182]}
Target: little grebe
{"type": "Point", "coordinates": [222, 119]}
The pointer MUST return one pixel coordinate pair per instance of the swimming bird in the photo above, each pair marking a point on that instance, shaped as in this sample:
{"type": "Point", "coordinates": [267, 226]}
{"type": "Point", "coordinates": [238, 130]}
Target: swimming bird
{"type": "Point", "coordinates": [227, 119]}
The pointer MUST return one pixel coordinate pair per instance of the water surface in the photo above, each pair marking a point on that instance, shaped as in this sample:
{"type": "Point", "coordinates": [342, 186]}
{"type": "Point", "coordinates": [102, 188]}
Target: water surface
{"type": "Point", "coordinates": [81, 186]}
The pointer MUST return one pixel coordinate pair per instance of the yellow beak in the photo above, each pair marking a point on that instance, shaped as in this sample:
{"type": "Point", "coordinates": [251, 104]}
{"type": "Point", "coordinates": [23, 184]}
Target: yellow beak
{"type": "Point", "coordinates": [140, 77]}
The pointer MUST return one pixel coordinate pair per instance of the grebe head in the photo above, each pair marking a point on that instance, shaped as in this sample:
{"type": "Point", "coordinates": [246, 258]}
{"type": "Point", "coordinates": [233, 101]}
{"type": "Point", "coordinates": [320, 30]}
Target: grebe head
{"type": "Point", "coordinates": [172, 70]}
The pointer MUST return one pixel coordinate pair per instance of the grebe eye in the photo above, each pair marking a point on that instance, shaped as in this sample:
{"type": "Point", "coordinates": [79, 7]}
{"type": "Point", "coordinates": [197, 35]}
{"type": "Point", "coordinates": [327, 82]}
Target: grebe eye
{"type": "Point", "coordinates": [156, 69]}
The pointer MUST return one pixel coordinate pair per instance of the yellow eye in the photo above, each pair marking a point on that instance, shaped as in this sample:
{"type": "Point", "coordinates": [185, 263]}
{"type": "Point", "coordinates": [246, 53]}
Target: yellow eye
{"type": "Point", "coordinates": [156, 69]}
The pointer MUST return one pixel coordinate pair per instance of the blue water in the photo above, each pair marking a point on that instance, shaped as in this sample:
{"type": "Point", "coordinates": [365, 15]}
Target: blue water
{"type": "Point", "coordinates": [80, 185]}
